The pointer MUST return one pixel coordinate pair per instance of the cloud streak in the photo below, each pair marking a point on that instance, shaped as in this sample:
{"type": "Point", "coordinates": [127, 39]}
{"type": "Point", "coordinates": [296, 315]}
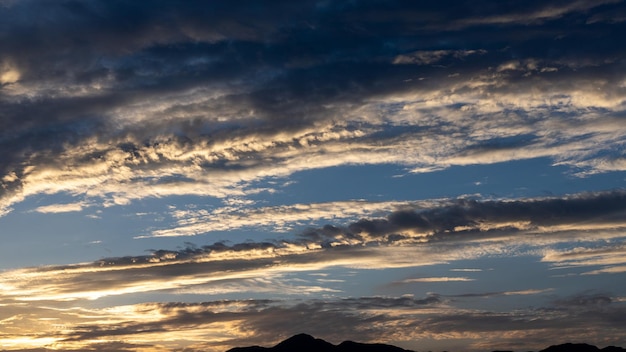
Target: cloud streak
{"type": "Point", "coordinates": [279, 218]}
{"type": "Point", "coordinates": [468, 229]}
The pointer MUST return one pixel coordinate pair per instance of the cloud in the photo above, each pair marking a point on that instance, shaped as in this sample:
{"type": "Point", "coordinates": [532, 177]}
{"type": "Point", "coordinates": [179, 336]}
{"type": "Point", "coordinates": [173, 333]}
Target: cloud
{"type": "Point", "coordinates": [428, 57]}
{"type": "Point", "coordinates": [585, 300]}
{"type": "Point", "coordinates": [271, 268]}
{"type": "Point", "coordinates": [435, 279]}
{"type": "Point", "coordinates": [281, 218]}
{"type": "Point", "coordinates": [61, 208]}
{"type": "Point", "coordinates": [208, 100]}
{"type": "Point", "coordinates": [214, 323]}
{"type": "Point", "coordinates": [463, 230]}
{"type": "Point", "coordinates": [466, 216]}
{"type": "Point", "coordinates": [273, 285]}
{"type": "Point", "coordinates": [224, 324]}
{"type": "Point", "coordinates": [503, 293]}
{"type": "Point", "coordinates": [107, 103]}
{"type": "Point", "coordinates": [539, 14]}
{"type": "Point", "coordinates": [608, 259]}
{"type": "Point", "coordinates": [607, 270]}
{"type": "Point", "coordinates": [8, 73]}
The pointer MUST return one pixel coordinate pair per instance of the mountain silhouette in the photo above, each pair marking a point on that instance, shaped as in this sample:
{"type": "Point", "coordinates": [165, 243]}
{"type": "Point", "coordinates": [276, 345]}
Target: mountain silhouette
{"type": "Point", "coordinates": [308, 343]}
{"type": "Point", "coordinates": [304, 343]}
{"type": "Point", "coordinates": [581, 347]}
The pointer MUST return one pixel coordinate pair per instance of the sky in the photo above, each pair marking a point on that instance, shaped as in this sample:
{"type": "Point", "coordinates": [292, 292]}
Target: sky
{"type": "Point", "coordinates": [198, 175]}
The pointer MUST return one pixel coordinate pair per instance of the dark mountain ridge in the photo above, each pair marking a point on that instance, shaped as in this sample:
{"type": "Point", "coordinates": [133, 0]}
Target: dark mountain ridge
{"type": "Point", "coordinates": [581, 347]}
{"type": "Point", "coordinates": [308, 343]}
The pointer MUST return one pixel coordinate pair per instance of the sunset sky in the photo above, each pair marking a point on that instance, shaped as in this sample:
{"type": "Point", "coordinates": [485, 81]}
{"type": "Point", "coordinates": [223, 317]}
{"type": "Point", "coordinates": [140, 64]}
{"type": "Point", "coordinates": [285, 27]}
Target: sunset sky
{"type": "Point", "coordinates": [197, 175]}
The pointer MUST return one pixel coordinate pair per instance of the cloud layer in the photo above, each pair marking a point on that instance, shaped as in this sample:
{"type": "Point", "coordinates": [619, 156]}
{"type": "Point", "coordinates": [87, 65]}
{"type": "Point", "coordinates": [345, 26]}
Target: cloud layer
{"type": "Point", "coordinates": [62, 299]}
{"type": "Point", "coordinates": [114, 102]}
{"type": "Point", "coordinates": [215, 108]}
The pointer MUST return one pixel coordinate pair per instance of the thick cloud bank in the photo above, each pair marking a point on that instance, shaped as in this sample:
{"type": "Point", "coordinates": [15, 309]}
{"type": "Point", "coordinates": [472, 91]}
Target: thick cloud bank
{"type": "Point", "coordinates": [113, 101]}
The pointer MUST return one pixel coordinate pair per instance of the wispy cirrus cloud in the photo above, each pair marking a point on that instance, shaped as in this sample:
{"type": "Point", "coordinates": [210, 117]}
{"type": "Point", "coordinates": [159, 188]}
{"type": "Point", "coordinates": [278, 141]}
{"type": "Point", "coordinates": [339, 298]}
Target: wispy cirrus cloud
{"type": "Point", "coordinates": [608, 259]}
{"type": "Point", "coordinates": [61, 208]}
{"type": "Point", "coordinates": [434, 279]}
{"type": "Point", "coordinates": [505, 293]}
{"type": "Point", "coordinates": [536, 14]}
{"type": "Point", "coordinates": [425, 57]}
{"type": "Point", "coordinates": [281, 218]}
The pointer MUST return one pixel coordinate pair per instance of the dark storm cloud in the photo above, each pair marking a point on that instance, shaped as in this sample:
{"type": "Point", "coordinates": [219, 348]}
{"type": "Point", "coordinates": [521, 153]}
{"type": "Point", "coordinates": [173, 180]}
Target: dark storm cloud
{"type": "Point", "coordinates": [148, 43]}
